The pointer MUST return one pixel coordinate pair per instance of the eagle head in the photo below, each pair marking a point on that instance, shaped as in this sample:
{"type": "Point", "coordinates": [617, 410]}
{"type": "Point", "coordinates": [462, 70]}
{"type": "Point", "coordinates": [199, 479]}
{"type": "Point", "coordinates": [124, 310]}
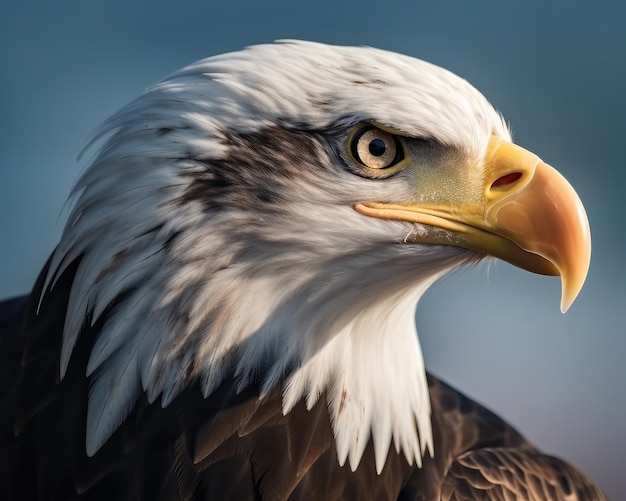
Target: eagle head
{"type": "Point", "coordinates": [271, 217]}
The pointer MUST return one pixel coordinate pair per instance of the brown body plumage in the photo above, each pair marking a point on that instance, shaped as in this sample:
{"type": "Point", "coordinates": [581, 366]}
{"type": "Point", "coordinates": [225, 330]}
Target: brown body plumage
{"type": "Point", "coordinates": [234, 446]}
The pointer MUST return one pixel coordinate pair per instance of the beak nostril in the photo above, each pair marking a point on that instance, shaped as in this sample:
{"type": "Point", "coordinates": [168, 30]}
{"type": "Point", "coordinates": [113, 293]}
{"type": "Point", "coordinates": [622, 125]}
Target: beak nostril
{"type": "Point", "coordinates": [507, 179]}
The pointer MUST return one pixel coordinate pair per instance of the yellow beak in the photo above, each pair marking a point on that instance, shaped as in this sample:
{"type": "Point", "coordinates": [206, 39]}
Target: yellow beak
{"type": "Point", "coordinates": [526, 213]}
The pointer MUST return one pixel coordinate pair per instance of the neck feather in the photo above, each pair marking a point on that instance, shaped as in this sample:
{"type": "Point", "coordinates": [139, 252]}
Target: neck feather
{"type": "Point", "coordinates": [372, 373]}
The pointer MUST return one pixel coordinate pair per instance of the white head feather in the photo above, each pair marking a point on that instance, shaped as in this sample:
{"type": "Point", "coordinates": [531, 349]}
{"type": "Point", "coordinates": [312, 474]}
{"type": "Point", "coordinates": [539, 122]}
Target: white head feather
{"type": "Point", "coordinates": [304, 292]}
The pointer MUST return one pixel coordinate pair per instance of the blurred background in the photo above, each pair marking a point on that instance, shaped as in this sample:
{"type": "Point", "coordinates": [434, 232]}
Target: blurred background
{"type": "Point", "coordinates": [556, 70]}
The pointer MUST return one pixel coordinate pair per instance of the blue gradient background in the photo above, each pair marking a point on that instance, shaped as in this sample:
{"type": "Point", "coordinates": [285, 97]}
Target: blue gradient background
{"type": "Point", "coordinates": [557, 71]}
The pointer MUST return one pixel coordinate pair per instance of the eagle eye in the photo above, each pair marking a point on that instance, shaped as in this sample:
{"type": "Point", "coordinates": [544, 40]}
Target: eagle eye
{"type": "Point", "coordinates": [375, 149]}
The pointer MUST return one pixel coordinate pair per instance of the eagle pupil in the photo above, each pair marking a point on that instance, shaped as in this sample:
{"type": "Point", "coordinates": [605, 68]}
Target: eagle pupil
{"type": "Point", "coordinates": [377, 147]}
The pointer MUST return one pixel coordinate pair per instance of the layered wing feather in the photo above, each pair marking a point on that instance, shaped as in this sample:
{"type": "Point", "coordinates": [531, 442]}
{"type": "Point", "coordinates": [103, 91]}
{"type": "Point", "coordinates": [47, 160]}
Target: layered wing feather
{"type": "Point", "coordinates": [506, 473]}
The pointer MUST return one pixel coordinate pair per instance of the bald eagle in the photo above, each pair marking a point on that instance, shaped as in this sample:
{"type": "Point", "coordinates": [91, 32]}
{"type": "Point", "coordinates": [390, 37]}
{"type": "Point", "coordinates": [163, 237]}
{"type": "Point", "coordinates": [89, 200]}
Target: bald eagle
{"type": "Point", "coordinates": [229, 313]}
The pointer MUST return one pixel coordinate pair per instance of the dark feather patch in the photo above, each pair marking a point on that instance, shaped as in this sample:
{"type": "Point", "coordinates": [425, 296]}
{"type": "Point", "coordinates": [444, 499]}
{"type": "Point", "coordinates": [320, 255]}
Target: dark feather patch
{"type": "Point", "coordinates": [276, 154]}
